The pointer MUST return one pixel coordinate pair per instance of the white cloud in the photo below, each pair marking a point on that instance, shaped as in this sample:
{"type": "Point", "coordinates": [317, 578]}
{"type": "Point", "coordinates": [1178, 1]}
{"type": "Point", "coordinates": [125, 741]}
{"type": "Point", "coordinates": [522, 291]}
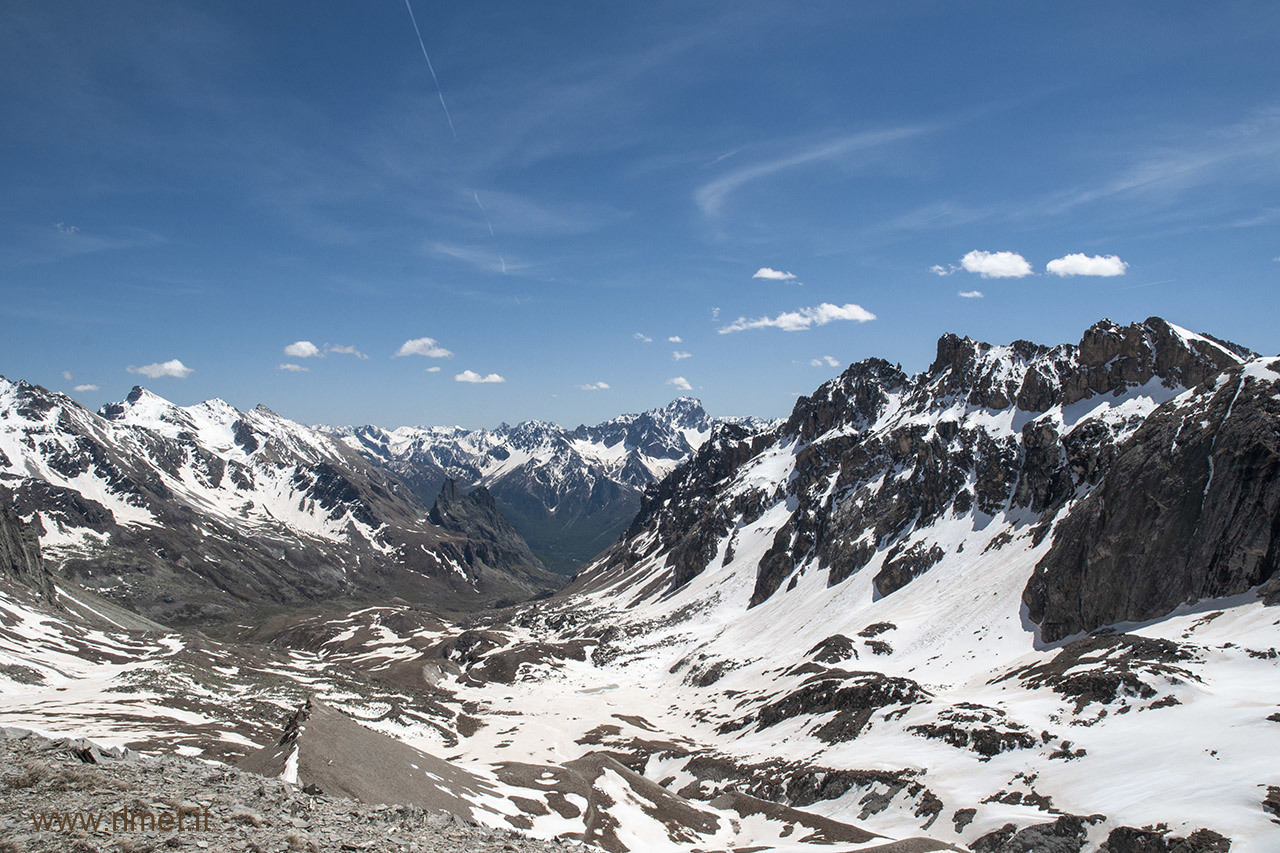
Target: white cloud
{"type": "Point", "coordinates": [302, 349]}
{"type": "Point", "coordinates": [83, 388]}
{"type": "Point", "coordinates": [996, 264]}
{"type": "Point", "coordinates": [803, 318]}
{"type": "Point", "coordinates": [939, 269]}
{"type": "Point", "coordinates": [715, 312]}
{"type": "Point", "coordinates": [472, 376]}
{"type": "Point", "coordinates": [67, 229]}
{"type": "Point", "coordinates": [641, 336]}
{"type": "Point", "coordinates": [172, 368]}
{"type": "Point", "coordinates": [680, 356]}
{"type": "Point", "coordinates": [774, 275]}
{"type": "Point", "coordinates": [345, 350]}
{"type": "Point", "coordinates": [674, 339]}
{"type": "Point", "coordinates": [292, 368]}
{"type": "Point", "coordinates": [66, 374]}
{"type": "Point", "coordinates": [1082, 264]}
{"type": "Point", "coordinates": [435, 369]}
{"type": "Point", "coordinates": [680, 382]}
{"type": "Point", "coordinates": [423, 346]}
{"type": "Point", "coordinates": [826, 360]}
{"type": "Point", "coordinates": [594, 386]}
{"type": "Point", "coordinates": [971, 294]}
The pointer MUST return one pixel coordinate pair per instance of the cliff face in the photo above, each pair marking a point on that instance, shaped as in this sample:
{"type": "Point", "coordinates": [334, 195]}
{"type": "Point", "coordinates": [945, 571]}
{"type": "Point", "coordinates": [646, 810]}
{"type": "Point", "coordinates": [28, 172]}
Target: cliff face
{"type": "Point", "coordinates": [20, 554]}
{"type": "Point", "coordinates": [1189, 509]}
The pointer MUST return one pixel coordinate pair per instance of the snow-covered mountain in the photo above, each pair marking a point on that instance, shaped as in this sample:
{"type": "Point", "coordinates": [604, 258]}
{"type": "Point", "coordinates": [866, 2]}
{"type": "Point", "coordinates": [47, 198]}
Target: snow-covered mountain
{"type": "Point", "coordinates": [569, 492]}
{"type": "Point", "coordinates": [196, 512]}
{"type": "Point", "coordinates": [1017, 602]}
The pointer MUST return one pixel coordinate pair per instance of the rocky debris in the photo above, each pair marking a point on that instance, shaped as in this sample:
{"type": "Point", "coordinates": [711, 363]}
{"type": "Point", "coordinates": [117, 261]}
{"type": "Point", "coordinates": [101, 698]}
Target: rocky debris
{"type": "Point", "coordinates": [833, 649]}
{"type": "Point", "coordinates": [324, 751]}
{"type": "Point", "coordinates": [511, 664]}
{"type": "Point", "coordinates": [1109, 668]}
{"type": "Point", "coordinates": [1271, 804]}
{"type": "Point", "coordinates": [984, 730]}
{"type": "Point", "coordinates": [853, 697]}
{"type": "Point", "coordinates": [800, 784]}
{"type": "Point", "coordinates": [50, 794]}
{"type": "Point", "coordinates": [703, 670]}
{"type": "Point", "coordinates": [1189, 510]}
{"type": "Point", "coordinates": [903, 566]}
{"type": "Point", "coordinates": [1125, 839]}
{"type": "Point", "coordinates": [1067, 834]}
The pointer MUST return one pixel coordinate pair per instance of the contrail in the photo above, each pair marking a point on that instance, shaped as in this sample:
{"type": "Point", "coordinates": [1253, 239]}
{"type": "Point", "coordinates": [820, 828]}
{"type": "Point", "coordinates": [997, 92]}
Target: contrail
{"type": "Point", "coordinates": [484, 213]}
{"type": "Point", "coordinates": [432, 69]}
{"type": "Point", "coordinates": [1149, 284]}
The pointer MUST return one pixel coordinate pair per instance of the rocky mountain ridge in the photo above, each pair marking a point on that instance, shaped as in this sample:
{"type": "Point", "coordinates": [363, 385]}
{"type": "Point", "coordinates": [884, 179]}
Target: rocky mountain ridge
{"type": "Point", "coordinates": [197, 513]}
{"type": "Point", "coordinates": [875, 458]}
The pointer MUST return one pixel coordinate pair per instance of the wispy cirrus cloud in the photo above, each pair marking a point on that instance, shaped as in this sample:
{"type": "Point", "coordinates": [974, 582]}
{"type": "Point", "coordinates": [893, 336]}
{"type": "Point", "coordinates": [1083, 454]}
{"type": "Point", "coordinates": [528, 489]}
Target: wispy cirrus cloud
{"type": "Point", "coordinates": [825, 361]}
{"type": "Point", "coordinates": [680, 383]}
{"type": "Point", "coordinates": [80, 389]}
{"type": "Point", "coordinates": [711, 196]}
{"type": "Point", "coordinates": [642, 338]}
{"type": "Point", "coordinates": [290, 367]}
{"type": "Point", "coordinates": [345, 350]}
{"type": "Point", "coordinates": [679, 355]}
{"type": "Point", "coordinates": [173, 368]}
{"type": "Point", "coordinates": [970, 294]}
{"type": "Point", "coordinates": [594, 386]}
{"type": "Point", "coordinates": [1241, 151]}
{"type": "Point", "coordinates": [802, 318]}
{"type": "Point", "coordinates": [488, 260]}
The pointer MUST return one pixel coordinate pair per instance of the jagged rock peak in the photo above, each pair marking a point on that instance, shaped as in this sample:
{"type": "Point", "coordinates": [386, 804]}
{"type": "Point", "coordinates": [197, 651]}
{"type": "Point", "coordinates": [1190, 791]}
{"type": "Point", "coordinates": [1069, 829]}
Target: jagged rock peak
{"type": "Point", "coordinates": [1108, 359]}
{"type": "Point", "coordinates": [858, 396]}
{"type": "Point", "coordinates": [137, 400]}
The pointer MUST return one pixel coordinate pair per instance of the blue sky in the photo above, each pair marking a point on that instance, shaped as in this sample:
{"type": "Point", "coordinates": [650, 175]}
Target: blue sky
{"type": "Point", "coordinates": [189, 189]}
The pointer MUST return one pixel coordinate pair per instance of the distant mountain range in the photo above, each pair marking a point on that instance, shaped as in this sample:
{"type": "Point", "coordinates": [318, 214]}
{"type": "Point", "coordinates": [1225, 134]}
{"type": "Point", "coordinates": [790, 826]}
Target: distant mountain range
{"type": "Point", "coordinates": [569, 492]}
{"type": "Point", "coordinates": [200, 513]}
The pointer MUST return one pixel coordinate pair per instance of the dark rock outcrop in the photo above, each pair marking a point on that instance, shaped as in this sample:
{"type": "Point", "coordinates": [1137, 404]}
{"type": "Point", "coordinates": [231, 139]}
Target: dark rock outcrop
{"type": "Point", "coordinates": [1126, 839]}
{"type": "Point", "coordinates": [20, 554]}
{"type": "Point", "coordinates": [1189, 510]}
{"type": "Point", "coordinates": [491, 540]}
{"type": "Point", "coordinates": [1067, 834]}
